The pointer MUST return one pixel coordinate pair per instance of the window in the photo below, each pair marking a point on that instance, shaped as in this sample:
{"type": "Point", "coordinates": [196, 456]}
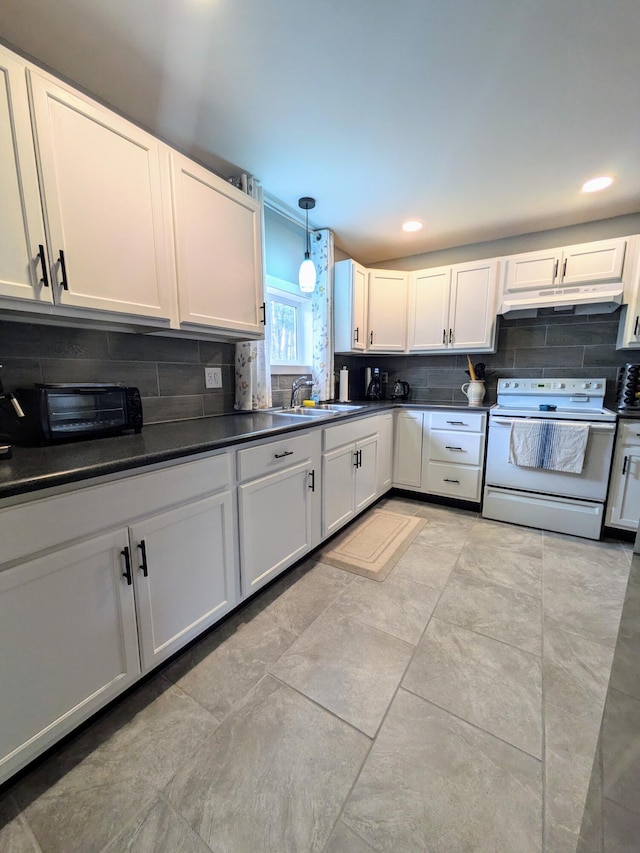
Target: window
{"type": "Point", "coordinates": [289, 327]}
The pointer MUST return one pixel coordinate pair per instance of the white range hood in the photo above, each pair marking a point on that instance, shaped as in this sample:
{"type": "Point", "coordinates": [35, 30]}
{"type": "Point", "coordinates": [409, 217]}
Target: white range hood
{"type": "Point", "coordinates": [578, 299]}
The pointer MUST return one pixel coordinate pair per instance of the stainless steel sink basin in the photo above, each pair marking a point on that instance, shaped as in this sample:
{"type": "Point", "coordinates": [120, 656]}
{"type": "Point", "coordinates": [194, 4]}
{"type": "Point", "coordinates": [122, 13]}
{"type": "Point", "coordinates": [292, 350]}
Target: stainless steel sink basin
{"type": "Point", "coordinates": [318, 411]}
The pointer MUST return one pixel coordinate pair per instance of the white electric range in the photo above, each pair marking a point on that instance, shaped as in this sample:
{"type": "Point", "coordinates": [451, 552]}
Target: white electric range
{"type": "Point", "coordinates": [537, 497]}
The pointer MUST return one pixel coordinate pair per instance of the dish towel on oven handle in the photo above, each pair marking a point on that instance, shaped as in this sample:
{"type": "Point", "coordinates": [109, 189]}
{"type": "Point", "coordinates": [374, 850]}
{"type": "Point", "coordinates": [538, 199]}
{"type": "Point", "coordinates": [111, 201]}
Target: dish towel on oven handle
{"type": "Point", "coordinates": [552, 445]}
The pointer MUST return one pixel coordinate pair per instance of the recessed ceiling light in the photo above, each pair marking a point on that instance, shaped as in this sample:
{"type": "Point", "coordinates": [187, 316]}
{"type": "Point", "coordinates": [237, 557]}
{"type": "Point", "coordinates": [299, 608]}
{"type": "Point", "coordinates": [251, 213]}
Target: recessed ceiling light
{"type": "Point", "coordinates": [596, 184]}
{"type": "Point", "coordinates": [413, 225]}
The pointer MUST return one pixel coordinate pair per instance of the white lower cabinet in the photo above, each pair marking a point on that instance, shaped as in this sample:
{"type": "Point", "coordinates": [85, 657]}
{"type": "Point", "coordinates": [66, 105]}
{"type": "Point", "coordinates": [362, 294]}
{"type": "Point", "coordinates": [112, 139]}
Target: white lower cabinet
{"type": "Point", "coordinates": [83, 614]}
{"type": "Point", "coordinates": [349, 472]}
{"type": "Point", "coordinates": [184, 573]}
{"type": "Point", "coordinates": [276, 506]}
{"type": "Point", "coordinates": [440, 453]}
{"type": "Point", "coordinates": [623, 502]}
{"type": "Point", "coordinates": [385, 452]}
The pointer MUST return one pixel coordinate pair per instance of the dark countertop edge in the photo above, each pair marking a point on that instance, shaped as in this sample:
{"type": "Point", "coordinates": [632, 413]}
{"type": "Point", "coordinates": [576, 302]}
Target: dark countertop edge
{"type": "Point", "coordinates": [31, 484]}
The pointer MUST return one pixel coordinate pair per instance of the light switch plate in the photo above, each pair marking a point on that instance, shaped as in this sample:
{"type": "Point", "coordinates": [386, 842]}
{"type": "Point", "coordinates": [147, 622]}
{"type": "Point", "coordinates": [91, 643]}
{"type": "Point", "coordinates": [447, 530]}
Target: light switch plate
{"type": "Point", "coordinates": [213, 377]}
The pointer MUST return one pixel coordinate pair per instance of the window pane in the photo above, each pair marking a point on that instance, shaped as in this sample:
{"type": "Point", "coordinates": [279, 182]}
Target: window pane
{"type": "Point", "coordinates": [284, 324]}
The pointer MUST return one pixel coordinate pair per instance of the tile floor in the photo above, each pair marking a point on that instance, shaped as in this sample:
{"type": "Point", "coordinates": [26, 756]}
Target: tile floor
{"type": "Point", "coordinates": [454, 707]}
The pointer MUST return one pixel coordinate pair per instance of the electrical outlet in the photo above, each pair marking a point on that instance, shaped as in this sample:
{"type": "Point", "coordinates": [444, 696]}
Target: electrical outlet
{"type": "Point", "coordinates": [385, 376]}
{"type": "Point", "coordinates": [213, 377]}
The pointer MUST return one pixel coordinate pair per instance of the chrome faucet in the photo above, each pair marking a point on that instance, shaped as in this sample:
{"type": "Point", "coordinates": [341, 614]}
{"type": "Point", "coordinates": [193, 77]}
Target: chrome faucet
{"type": "Point", "coordinates": [300, 382]}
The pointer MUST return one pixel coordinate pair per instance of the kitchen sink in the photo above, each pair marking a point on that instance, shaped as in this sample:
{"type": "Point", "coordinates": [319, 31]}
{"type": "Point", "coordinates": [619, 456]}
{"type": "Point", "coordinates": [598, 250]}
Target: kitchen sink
{"type": "Point", "coordinates": [320, 410]}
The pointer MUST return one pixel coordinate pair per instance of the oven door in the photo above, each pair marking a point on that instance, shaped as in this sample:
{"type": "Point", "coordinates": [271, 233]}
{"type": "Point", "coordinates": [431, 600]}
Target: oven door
{"type": "Point", "coordinates": [590, 484]}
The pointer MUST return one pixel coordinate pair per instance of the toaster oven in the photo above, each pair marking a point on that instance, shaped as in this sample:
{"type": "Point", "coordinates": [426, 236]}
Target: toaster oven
{"type": "Point", "coordinates": [67, 412]}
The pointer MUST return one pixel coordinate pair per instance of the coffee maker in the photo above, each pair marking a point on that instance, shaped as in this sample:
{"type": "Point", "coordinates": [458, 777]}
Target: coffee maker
{"type": "Point", "coordinates": [374, 386]}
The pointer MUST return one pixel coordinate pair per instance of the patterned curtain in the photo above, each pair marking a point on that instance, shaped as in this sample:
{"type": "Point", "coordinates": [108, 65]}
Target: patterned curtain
{"type": "Point", "coordinates": [253, 377]}
{"type": "Point", "coordinates": [322, 312]}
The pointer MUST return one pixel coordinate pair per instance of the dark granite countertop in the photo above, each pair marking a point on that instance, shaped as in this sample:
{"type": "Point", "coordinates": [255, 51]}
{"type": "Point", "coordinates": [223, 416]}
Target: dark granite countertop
{"type": "Point", "coordinates": [35, 468]}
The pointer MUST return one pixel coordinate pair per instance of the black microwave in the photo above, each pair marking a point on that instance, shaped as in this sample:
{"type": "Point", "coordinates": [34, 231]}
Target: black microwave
{"type": "Point", "coordinates": [67, 412]}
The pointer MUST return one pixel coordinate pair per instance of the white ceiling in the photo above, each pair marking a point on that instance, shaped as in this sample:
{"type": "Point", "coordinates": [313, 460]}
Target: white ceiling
{"type": "Point", "coordinates": [481, 118]}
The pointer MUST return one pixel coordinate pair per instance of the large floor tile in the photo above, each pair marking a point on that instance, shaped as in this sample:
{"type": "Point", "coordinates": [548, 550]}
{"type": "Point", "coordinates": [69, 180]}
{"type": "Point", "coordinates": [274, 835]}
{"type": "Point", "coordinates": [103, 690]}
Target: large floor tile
{"type": "Point", "coordinates": [512, 569]}
{"type": "Point", "coordinates": [497, 611]}
{"type": "Point", "coordinates": [488, 683]}
{"type": "Point", "coordinates": [347, 666]}
{"type": "Point", "coordinates": [575, 673]}
{"type": "Point", "coordinates": [159, 829]}
{"type": "Point", "coordinates": [81, 797]}
{"type": "Point", "coordinates": [427, 564]}
{"type": "Point", "coordinates": [297, 607]}
{"type": "Point", "coordinates": [397, 606]}
{"type": "Point", "coordinates": [403, 505]}
{"type": "Point", "coordinates": [435, 783]}
{"type": "Point", "coordinates": [570, 747]}
{"type": "Point", "coordinates": [620, 761]}
{"type": "Point", "coordinates": [344, 840]}
{"type": "Point", "coordinates": [226, 664]}
{"type": "Point", "coordinates": [445, 527]}
{"type": "Point", "coordinates": [621, 829]}
{"type": "Point", "coordinates": [507, 537]}
{"type": "Point", "coordinates": [272, 778]}
{"type": "Point", "coordinates": [582, 596]}
{"type": "Point", "coordinates": [15, 834]}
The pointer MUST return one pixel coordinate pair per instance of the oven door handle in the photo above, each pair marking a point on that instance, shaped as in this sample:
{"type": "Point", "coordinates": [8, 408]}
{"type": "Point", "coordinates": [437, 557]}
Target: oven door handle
{"type": "Point", "coordinates": [596, 427]}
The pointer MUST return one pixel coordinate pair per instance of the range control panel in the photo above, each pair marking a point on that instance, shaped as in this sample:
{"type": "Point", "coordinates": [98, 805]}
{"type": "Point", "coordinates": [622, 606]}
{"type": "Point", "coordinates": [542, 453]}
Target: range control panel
{"type": "Point", "coordinates": [562, 387]}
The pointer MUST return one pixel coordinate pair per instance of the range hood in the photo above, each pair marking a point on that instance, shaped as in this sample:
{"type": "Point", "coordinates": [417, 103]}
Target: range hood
{"type": "Point", "coordinates": [579, 299]}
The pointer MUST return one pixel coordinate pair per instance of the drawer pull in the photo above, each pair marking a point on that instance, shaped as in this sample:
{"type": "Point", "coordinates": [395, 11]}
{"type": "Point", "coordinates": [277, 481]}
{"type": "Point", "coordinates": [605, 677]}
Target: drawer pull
{"type": "Point", "coordinates": [446, 480]}
{"type": "Point", "coordinates": [286, 453]}
{"type": "Point", "coordinates": [457, 423]}
{"type": "Point", "coordinates": [127, 565]}
{"type": "Point", "coordinates": [447, 447]}
{"type": "Point", "coordinates": [143, 554]}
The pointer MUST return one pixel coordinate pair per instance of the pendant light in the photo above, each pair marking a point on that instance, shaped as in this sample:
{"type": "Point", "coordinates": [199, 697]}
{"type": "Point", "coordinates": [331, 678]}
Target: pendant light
{"type": "Point", "coordinates": [307, 274]}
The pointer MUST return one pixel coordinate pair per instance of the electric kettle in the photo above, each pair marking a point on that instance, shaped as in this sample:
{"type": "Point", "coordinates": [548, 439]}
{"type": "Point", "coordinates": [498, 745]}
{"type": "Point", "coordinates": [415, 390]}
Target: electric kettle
{"type": "Point", "coordinates": [400, 390]}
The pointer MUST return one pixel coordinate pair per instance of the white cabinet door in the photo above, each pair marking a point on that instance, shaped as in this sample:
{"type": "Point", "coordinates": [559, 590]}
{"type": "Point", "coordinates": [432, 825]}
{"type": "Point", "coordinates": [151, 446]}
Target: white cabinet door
{"type": "Point", "coordinates": [472, 313]}
{"type": "Point", "coordinates": [624, 500]}
{"type": "Point", "coordinates": [218, 235]}
{"type": "Point", "coordinates": [184, 566]}
{"type": "Point", "coordinates": [387, 321]}
{"type": "Point", "coordinates": [24, 265]}
{"type": "Point", "coordinates": [350, 306]}
{"type": "Point", "coordinates": [429, 309]}
{"type": "Point", "coordinates": [68, 640]}
{"type": "Point", "coordinates": [532, 270]}
{"type": "Point", "coordinates": [593, 262]}
{"type": "Point", "coordinates": [385, 452]}
{"type": "Point", "coordinates": [338, 474]}
{"type": "Point", "coordinates": [275, 524]}
{"type": "Point", "coordinates": [103, 200]}
{"type": "Point", "coordinates": [407, 460]}
{"type": "Point", "coordinates": [366, 479]}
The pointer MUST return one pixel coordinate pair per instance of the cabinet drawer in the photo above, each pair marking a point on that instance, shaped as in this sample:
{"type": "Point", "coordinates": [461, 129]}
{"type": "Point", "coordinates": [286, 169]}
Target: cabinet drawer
{"type": "Point", "coordinates": [456, 447]}
{"type": "Point", "coordinates": [454, 481]}
{"type": "Point", "coordinates": [459, 421]}
{"type": "Point", "coordinates": [629, 433]}
{"type": "Point", "coordinates": [274, 455]}
{"type": "Point", "coordinates": [348, 432]}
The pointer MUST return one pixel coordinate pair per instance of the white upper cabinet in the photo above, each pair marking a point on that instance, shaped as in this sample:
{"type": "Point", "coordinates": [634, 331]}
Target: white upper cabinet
{"type": "Point", "coordinates": [100, 183]}
{"type": "Point", "coordinates": [23, 258]}
{"type": "Point", "coordinates": [454, 308]}
{"type": "Point", "coordinates": [350, 307]}
{"type": "Point", "coordinates": [387, 313]}
{"type": "Point", "coordinates": [218, 237]}
{"type": "Point", "coordinates": [430, 292]}
{"type": "Point", "coordinates": [589, 262]}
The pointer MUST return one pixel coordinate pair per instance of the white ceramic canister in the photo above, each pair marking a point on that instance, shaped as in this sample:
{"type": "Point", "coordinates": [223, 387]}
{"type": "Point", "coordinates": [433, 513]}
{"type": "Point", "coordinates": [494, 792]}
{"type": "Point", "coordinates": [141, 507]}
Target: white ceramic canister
{"type": "Point", "coordinates": [474, 391]}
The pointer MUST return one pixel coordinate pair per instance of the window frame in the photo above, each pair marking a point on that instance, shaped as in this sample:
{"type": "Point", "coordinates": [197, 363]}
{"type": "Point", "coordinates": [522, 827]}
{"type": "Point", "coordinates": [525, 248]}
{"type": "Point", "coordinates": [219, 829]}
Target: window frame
{"type": "Point", "coordinates": [286, 292]}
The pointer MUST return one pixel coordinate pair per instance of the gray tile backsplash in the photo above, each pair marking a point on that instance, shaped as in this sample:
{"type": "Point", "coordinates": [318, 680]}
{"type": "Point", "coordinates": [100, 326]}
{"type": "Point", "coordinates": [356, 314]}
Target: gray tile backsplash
{"type": "Point", "coordinates": [168, 371]}
{"type": "Point", "coordinates": [170, 375]}
{"type": "Point", "coordinates": [547, 346]}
